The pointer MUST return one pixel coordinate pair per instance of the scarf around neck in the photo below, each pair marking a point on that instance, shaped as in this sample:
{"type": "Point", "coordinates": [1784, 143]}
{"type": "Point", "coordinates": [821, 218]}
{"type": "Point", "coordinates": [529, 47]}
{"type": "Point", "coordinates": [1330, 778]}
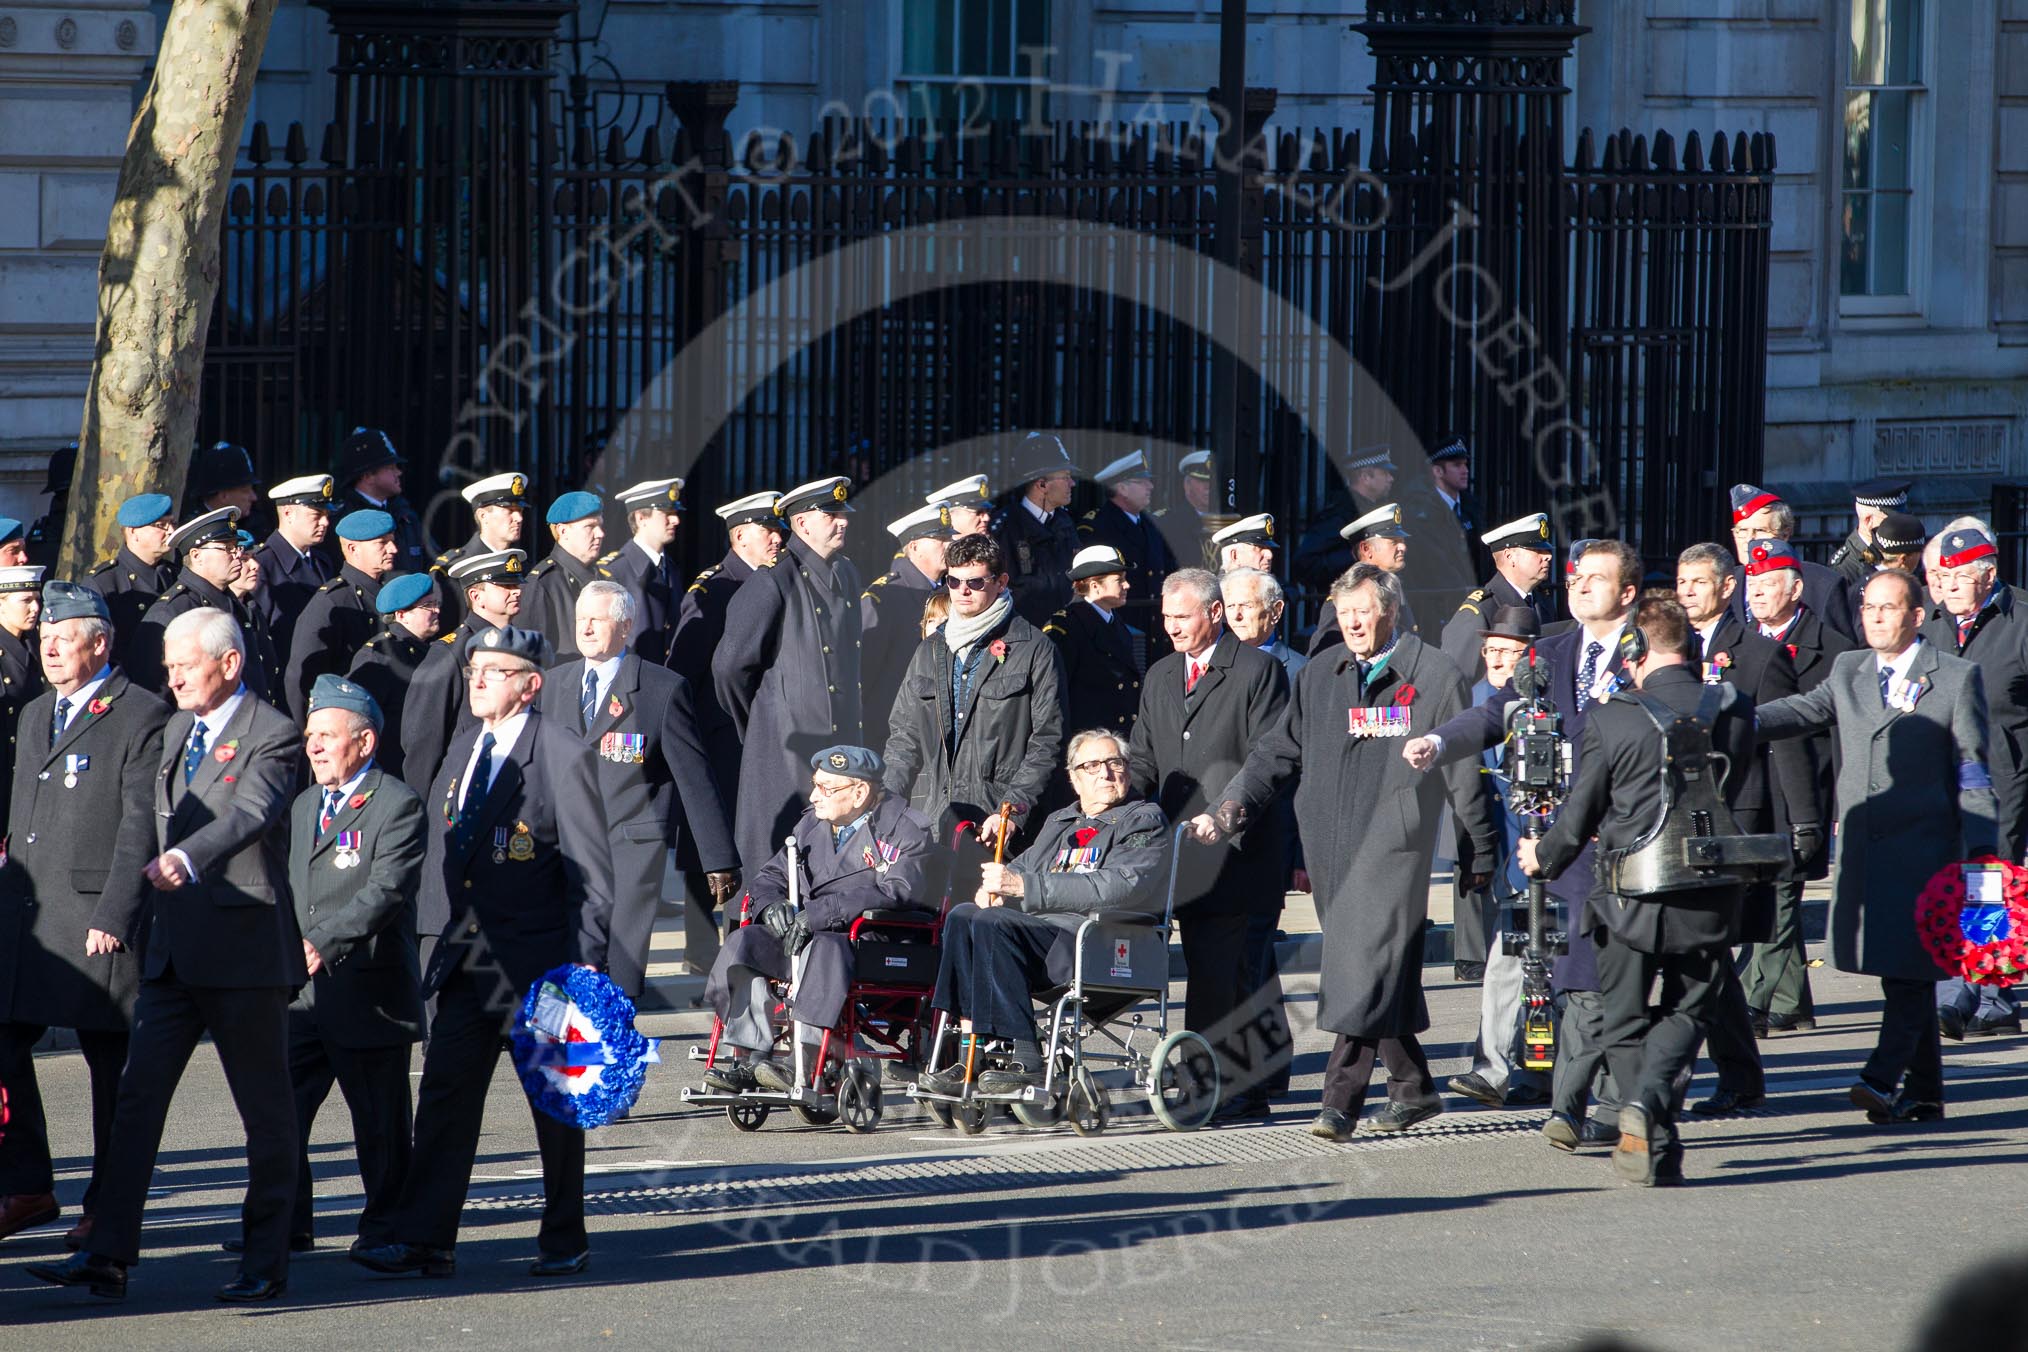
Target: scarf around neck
{"type": "Point", "coordinates": [961, 633]}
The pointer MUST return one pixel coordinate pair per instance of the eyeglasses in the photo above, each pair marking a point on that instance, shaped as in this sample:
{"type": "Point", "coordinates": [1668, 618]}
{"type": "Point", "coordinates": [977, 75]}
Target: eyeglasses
{"type": "Point", "coordinates": [967, 584]}
{"type": "Point", "coordinates": [1111, 765]}
{"type": "Point", "coordinates": [832, 790]}
{"type": "Point", "coordinates": [486, 675]}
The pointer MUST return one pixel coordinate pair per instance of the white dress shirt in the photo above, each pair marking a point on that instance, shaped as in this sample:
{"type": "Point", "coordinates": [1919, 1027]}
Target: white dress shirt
{"type": "Point", "coordinates": [82, 696]}
{"type": "Point", "coordinates": [213, 723]}
{"type": "Point", "coordinates": [504, 738]}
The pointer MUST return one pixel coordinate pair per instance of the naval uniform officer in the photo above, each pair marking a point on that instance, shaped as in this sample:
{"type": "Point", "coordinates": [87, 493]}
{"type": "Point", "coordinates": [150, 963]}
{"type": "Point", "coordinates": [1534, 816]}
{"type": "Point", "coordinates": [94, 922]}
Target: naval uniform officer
{"type": "Point", "coordinates": [654, 512]}
{"type": "Point", "coordinates": [1322, 553]}
{"type": "Point", "coordinates": [549, 599]}
{"type": "Point", "coordinates": [137, 574]}
{"type": "Point", "coordinates": [499, 505]}
{"type": "Point", "coordinates": [1523, 558]}
{"type": "Point", "coordinates": [640, 719]}
{"type": "Point", "coordinates": [891, 610]}
{"type": "Point", "coordinates": [1247, 543]}
{"type": "Point", "coordinates": [341, 616]}
{"type": "Point", "coordinates": [355, 861]}
{"type": "Point", "coordinates": [787, 670]}
{"type": "Point", "coordinates": [1189, 520]}
{"type": "Point", "coordinates": [1101, 654]}
{"type": "Point", "coordinates": [1036, 535]}
{"type": "Point", "coordinates": [79, 832]}
{"type": "Point", "coordinates": [291, 561]}
{"type": "Point", "coordinates": [970, 503]}
{"type": "Point", "coordinates": [407, 608]}
{"type": "Point", "coordinates": [1377, 538]}
{"type": "Point", "coordinates": [1125, 522]}
{"type": "Point", "coordinates": [517, 882]}
{"type": "Point", "coordinates": [369, 475]}
{"type": "Point", "coordinates": [490, 586]}
{"type": "Point", "coordinates": [213, 558]}
{"type": "Point", "coordinates": [1447, 520]}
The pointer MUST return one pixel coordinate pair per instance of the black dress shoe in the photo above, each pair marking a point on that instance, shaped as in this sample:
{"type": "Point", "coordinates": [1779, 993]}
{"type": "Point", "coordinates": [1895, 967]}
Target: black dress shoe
{"type": "Point", "coordinates": [1978, 1027]}
{"type": "Point", "coordinates": [242, 1290]}
{"type": "Point", "coordinates": [1469, 971]}
{"type": "Point", "coordinates": [1396, 1117]}
{"type": "Point", "coordinates": [730, 1077]}
{"type": "Point", "coordinates": [104, 1276]}
{"type": "Point", "coordinates": [560, 1264]}
{"type": "Point", "coordinates": [1595, 1132]}
{"type": "Point", "coordinates": [297, 1244]}
{"type": "Point", "coordinates": [1669, 1168]}
{"type": "Point", "coordinates": [1794, 1022]}
{"type": "Point", "coordinates": [1009, 1079]}
{"type": "Point", "coordinates": [1478, 1089]}
{"type": "Point", "coordinates": [1524, 1096]}
{"type": "Point", "coordinates": [1878, 1104]}
{"type": "Point", "coordinates": [1725, 1103]}
{"type": "Point", "coordinates": [1917, 1110]}
{"type": "Point", "coordinates": [1950, 1024]}
{"type": "Point", "coordinates": [948, 1082]}
{"type": "Point", "coordinates": [399, 1258]}
{"type": "Point", "coordinates": [1758, 1019]}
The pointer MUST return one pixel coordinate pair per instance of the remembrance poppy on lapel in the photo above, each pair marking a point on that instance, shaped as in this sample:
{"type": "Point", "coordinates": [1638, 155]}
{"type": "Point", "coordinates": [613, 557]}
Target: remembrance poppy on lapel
{"type": "Point", "coordinates": [998, 647]}
{"type": "Point", "coordinates": [1405, 696]}
{"type": "Point", "coordinates": [1084, 836]}
{"type": "Point", "coordinates": [614, 708]}
{"type": "Point", "coordinates": [225, 753]}
{"type": "Point", "coordinates": [358, 801]}
{"type": "Point", "coordinates": [97, 706]}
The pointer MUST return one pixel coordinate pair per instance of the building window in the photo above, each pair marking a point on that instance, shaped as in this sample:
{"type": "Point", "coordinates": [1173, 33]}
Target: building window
{"type": "Point", "coordinates": [1880, 216]}
{"type": "Point", "coordinates": [964, 58]}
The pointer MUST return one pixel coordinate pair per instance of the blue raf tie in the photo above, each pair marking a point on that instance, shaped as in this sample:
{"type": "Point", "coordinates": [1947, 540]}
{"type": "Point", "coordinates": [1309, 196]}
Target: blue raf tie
{"type": "Point", "coordinates": [481, 782]}
{"type": "Point", "coordinates": [194, 756]}
{"type": "Point", "coordinates": [60, 721]}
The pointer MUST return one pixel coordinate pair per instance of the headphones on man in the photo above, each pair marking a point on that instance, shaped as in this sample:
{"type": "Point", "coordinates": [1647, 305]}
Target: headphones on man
{"type": "Point", "coordinates": [1633, 644]}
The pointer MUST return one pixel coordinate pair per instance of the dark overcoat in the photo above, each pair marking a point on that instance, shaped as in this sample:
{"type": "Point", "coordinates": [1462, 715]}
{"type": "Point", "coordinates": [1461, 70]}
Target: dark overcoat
{"type": "Point", "coordinates": [890, 623]}
{"type": "Point", "coordinates": [1998, 642]}
{"type": "Point", "coordinates": [288, 580]}
{"type": "Point", "coordinates": [651, 583]}
{"type": "Point", "coordinates": [1037, 556]}
{"type": "Point", "coordinates": [549, 599]}
{"type": "Point", "coordinates": [384, 667]}
{"type": "Point", "coordinates": [700, 624]}
{"type": "Point", "coordinates": [436, 707]}
{"type": "Point", "coordinates": [130, 587]}
{"type": "Point", "coordinates": [335, 624]}
{"type": "Point", "coordinates": [1101, 680]}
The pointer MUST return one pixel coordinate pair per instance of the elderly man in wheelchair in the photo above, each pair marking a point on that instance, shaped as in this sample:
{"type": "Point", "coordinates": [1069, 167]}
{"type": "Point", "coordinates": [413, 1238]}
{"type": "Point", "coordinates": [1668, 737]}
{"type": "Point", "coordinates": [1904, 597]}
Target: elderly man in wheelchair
{"type": "Point", "coordinates": [860, 850]}
{"type": "Point", "coordinates": [1018, 936]}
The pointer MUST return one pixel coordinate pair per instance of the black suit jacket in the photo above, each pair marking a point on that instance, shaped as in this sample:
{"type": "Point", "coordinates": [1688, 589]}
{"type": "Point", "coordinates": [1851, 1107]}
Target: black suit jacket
{"type": "Point", "coordinates": [654, 595]}
{"type": "Point", "coordinates": [1777, 787]}
{"type": "Point", "coordinates": [1617, 796]}
{"type": "Point", "coordinates": [1186, 746]}
{"type": "Point", "coordinates": [361, 918]}
{"type": "Point", "coordinates": [1102, 682]}
{"type": "Point", "coordinates": [1825, 593]}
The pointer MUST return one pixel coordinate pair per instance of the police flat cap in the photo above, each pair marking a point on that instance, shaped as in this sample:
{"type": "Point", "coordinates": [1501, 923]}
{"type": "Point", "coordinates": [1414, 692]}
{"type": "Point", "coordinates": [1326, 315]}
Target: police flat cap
{"type": "Point", "coordinates": [504, 566]}
{"type": "Point", "coordinates": [1258, 529]}
{"type": "Point", "coordinates": [832, 495]}
{"type": "Point", "coordinates": [1747, 499]}
{"type": "Point", "coordinates": [1527, 532]}
{"type": "Point", "coordinates": [573, 506]}
{"type": "Point", "coordinates": [26, 578]}
{"type": "Point", "coordinates": [1900, 533]}
{"type": "Point", "coordinates": [969, 491]}
{"type": "Point", "coordinates": [851, 762]}
{"type": "Point", "coordinates": [526, 644]}
{"type": "Point", "coordinates": [332, 691]}
{"type": "Point", "coordinates": [222, 524]}
{"type": "Point", "coordinates": [1133, 465]}
{"type": "Point", "coordinates": [309, 490]}
{"type": "Point", "coordinates": [1886, 494]}
{"type": "Point", "coordinates": [1453, 449]}
{"type": "Point", "coordinates": [754, 508]}
{"type": "Point", "coordinates": [223, 466]}
{"type": "Point", "coordinates": [1966, 544]}
{"type": "Point", "coordinates": [1382, 521]}
{"type": "Point", "coordinates": [401, 591]}
{"type": "Point", "coordinates": [1515, 622]}
{"type": "Point", "coordinates": [145, 509]}
{"type": "Point", "coordinates": [1371, 457]}
{"type": "Point", "coordinates": [72, 601]}
{"type": "Point", "coordinates": [1196, 465]}
{"type": "Point", "coordinates": [666, 494]}
{"type": "Point", "coordinates": [367, 523]}
{"type": "Point", "coordinates": [366, 449]}
{"type": "Point", "coordinates": [1096, 561]}
{"type": "Point", "coordinates": [1040, 455]}
{"type": "Point", "coordinates": [1769, 556]}
{"type": "Point", "coordinates": [925, 523]}
{"type": "Point", "coordinates": [497, 488]}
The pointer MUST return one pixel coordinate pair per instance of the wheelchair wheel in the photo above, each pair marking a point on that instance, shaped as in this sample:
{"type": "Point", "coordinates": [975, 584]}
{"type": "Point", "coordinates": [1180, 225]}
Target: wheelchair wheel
{"type": "Point", "coordinates": [941, 1111]}
{"type": "Point", "coordinates": [859, 1098]}
{"type": "Point", "coordinates": [970, 1117]}
{"type": "Point", "coordinates": [813, 1116]}
{"type": "Point", "coordinates": [746, 1116]}
{"type": "Point", "coordinates": [1088, 1106]}
{"type": "Point", "coordinates": [1038, 1115]}
{"type": "Point", "coordinates": [1184, 1081]}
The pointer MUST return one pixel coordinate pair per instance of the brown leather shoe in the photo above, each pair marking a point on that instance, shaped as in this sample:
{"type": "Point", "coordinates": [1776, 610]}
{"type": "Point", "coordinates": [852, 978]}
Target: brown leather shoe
{"type": "Point", "coordinates": [24, 1210]}
{"type": "Point", "coordinates": [80, 1234]}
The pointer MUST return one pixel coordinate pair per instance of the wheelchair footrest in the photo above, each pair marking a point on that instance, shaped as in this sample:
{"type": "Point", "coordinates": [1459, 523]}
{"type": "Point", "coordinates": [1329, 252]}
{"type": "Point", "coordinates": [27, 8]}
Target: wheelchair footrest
{"type": "Point", "coordinates": [1514, 943]}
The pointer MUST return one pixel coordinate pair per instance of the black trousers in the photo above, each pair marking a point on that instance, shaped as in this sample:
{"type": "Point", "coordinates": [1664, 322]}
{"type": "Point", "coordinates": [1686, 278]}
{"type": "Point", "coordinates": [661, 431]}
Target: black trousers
{"type": "Point", "coordinates": [466, 1039]}
{"type": "Point", "coordinates": [1909, 1052]}
{"type": "Point", "coordinates": [1646, 1045]}
{"type": "Point", "coordinates": [1777, 976]}
{"type": "Point", "coordinates": [1349, 1072]}
{"type": "Point", "coordinates": [994, 957]}
{"type": "Point", "coordinates": [1266, 1019]}
{"type": "Point", "coordinates": [1221, 976]}
{"type": "Point", "coordinates": [1473, 916]}
{"type": "Point", "coordinates": [374, 1082]}
{"type": "Point", "coordinates": [25, 1165]}
{"type": "Point", "coordinates": [1734, 1053]}
{"type": "Point", "coordinates": [249, 1029]}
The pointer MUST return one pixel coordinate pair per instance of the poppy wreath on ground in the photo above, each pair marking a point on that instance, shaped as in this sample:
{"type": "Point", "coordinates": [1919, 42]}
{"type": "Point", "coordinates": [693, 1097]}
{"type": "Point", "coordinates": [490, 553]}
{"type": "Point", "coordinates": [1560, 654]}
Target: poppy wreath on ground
{"type": "Point", "coordinates": [1986, 944]}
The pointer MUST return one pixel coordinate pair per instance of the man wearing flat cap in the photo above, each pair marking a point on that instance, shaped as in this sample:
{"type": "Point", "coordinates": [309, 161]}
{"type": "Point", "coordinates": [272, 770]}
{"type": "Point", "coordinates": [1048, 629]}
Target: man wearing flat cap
{"type": "Point", "coordinates": [369, 476]}
{"type": "Point", "coordinates": [862, 850]}
{"type": "Point", "coordinates": [549, 601]}
{"type": "Point", "coordinates": [654, 511]}
{"type": "Point", "coordinates": [80, 828]}
{"type": "Point", "coordinates": [490, 587]}
{"type": "Point", "coordinates": [212, 557]}
{"type": "Point", "coordinates": [787, 670]}
{"type": "Point", "coordinates": [407, 609]}
{"type": "Point", "coordinates": [292, 562]}
{"type": "Point", "coordinates": [340, 617]}
{"type": "Point", "coordinates": [1101, 654]}
{"type": "Point", "coordinates": [891, 611]}
{"type": "Point", "coordinates": [1125, 522]}
{"type": "Point", "coordinates": [1322, 553]}
{"type": "Point", "coordinates": [1523, 557]}
{"type": "Point", "coordinates": [517, 881]}
{"type": "Point", "coordinates": [1036, 535]}
{"type": "Point", "coordinates": [355, 861]}
{"type": "Point", "coordinates": [1861, 553]}
{"type": "Point", "coordinates": [499, 505]}
{"type": "Point", "coordinates": [139, 571]}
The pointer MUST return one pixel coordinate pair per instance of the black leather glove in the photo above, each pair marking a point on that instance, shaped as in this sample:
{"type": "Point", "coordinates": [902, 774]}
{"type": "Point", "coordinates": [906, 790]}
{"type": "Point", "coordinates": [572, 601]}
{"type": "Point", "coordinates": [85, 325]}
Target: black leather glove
{"type": "Point", "coordinates": [1231, 817]}
{"type": "Point", "coordinates": [1806, 841]}
{"type": "Point", "coordinates": [776, 918]}
{"type": "Point", "coordinates": [798, 937]}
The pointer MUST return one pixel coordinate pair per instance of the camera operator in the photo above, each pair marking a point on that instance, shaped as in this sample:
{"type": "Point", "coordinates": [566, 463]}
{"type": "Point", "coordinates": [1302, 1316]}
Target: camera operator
{"type": "Point", "coordinates": [1682, 937]}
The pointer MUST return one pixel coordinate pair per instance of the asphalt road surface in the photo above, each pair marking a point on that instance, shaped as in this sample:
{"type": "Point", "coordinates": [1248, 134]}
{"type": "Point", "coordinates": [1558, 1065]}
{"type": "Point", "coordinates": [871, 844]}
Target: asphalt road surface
{"type": "Point", "coordinates": [1802, 1227]}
